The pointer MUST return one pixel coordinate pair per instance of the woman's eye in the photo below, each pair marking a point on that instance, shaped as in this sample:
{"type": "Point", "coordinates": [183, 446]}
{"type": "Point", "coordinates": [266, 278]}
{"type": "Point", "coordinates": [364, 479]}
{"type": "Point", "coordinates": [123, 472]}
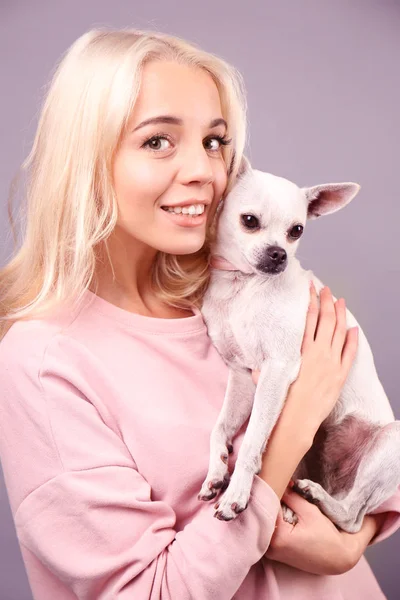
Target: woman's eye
{"type": "Point", "coordinates": [219, 141]}
{"type": "Point", "coordinates": [158, 143]}
{"type": "Point", "coordinates": [154, 143]}
{"type": "Point", "coordinates": [215, 143]}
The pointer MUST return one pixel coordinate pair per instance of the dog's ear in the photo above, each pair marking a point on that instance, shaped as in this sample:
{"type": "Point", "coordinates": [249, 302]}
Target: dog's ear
{"type": "Point", "coordinates": [329, 197]}
{"type": "Point", "coordinates": [244, 166]}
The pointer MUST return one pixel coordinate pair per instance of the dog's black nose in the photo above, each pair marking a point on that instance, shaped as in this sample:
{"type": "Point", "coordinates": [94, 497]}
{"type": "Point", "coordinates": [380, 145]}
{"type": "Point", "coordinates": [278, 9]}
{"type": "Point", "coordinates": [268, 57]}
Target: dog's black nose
{"type": "Point", "coordinates": [274, 261]}
{"type": "Point", "coordinates": [276, 254]}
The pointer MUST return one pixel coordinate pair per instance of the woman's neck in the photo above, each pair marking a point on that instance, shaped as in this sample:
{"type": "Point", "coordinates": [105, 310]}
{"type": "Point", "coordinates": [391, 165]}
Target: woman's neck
{"type": "Point", "coordinates": [128, 284]}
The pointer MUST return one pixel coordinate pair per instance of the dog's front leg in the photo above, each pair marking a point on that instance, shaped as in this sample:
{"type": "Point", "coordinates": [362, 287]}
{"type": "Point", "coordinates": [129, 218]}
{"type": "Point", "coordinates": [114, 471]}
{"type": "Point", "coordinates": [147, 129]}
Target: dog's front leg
{"type": "Point", "coordinates": [235, 410]}
{"type": "Point", "coordinates": [273, 384]}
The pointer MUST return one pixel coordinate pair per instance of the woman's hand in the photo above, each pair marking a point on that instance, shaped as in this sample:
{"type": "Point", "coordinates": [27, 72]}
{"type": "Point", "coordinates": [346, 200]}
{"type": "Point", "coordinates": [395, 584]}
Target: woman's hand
{"type": "Point", "coordinates": [314, 544]}
{"type": "Point", "coordinates": [328, 351]}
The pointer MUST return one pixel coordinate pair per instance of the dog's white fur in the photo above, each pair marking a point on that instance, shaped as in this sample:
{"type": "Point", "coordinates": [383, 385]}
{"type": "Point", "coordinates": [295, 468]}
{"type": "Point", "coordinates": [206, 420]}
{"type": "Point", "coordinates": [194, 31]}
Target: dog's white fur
{"type": "Point", "coordinates": [256, 319]}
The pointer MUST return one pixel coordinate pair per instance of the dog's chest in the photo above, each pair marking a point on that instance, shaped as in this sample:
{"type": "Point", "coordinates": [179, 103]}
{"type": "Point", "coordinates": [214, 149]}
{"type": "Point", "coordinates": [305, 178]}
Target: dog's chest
{"type": "Point", "coordinates": [249, 324]}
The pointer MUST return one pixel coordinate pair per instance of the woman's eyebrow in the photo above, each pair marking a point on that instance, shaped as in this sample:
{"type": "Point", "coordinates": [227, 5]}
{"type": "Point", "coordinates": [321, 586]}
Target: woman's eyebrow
{"type": "Point", "coordinates": [175, 121]}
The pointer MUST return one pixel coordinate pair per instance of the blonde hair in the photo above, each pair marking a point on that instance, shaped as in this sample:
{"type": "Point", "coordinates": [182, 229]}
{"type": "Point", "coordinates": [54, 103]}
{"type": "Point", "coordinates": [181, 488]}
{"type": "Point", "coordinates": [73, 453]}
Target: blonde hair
{"type": "Point", "coordinates": [70, 201]}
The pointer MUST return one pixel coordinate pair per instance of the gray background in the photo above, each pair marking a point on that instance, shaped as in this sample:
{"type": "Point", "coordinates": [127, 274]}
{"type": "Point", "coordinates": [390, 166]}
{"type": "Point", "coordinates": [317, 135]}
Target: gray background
{"type": "Point", "coordinates": [324, 95]}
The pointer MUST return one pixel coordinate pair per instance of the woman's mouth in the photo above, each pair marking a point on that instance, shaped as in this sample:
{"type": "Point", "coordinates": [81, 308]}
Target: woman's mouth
{"type": "Point", "coordinates": [187, 216]}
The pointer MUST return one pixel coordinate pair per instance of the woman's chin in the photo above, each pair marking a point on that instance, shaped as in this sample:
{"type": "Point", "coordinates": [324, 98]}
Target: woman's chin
{"type": "Point", "coordinates": [184, 246]}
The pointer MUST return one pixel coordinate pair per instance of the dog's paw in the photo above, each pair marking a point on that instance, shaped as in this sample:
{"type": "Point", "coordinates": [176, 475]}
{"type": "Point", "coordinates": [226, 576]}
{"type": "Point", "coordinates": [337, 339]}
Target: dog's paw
{"type": "Point", "coordinates": [310, 490]}
{"type": "Point", "coordinates": [234, 501]}
{"type": "Point", "coordinates": [218, 476]}
{"type": "Point", "coordinates": [289, 516]}
{"type": "Point", "coordinates": [212, 486]}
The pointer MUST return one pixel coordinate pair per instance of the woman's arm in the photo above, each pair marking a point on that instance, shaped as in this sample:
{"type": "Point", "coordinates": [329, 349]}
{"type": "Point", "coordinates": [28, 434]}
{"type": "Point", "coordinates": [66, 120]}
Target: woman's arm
{"type": "Point", "coordinates": [85, 514]}
{"type": "Point", "coordinates": [314, 544]}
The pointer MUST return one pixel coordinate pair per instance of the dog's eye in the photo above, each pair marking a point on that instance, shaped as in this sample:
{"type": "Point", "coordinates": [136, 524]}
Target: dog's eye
{"type": "Point", "coordinates": [296, 231]}
{"type": "Point", "coordinates": [250, 221]}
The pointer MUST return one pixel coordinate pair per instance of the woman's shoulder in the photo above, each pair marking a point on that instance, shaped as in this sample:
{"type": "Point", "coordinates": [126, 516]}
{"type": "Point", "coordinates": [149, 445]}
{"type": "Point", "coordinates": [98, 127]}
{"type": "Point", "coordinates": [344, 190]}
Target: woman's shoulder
{"type": "Point", "coordinates": [31, 334]}
{"type": "Point", "coordinates": [30, 338]}
{"type": "Point", "coordinates": [29, 342]}
{"type": "Point", "coordinates": [27, 338]}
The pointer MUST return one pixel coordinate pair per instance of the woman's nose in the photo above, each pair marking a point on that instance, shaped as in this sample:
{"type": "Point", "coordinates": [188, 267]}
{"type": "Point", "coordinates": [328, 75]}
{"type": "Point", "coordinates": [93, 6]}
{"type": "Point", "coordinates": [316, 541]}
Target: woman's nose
{"type": "Point", "coordinates": [196, 166]}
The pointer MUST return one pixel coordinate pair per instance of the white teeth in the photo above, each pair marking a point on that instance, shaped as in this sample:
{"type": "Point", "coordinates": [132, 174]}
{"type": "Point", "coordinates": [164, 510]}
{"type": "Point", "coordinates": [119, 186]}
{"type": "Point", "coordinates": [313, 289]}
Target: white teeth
{"type": "Point", "coordinates": [193, 209]}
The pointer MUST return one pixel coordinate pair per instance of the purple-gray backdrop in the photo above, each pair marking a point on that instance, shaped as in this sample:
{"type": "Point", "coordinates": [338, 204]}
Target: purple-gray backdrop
{"type": "Point", "coordinates": [324, 94]}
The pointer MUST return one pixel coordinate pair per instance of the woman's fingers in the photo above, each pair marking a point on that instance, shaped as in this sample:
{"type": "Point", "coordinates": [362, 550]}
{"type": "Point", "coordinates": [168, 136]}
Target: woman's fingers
{"type": "Point", "coordinates": [349, 350]}
{"type": "Point", "coordinates": [340, 332]}
{"type": "Point", "coordinates": [312, 318]}
{"type": "Point", "coordinates": [297, 503]}
{"type": "Point", "coordinates": [327, 320]}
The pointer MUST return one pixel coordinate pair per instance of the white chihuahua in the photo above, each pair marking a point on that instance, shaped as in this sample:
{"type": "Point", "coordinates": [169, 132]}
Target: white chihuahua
{"type": "Point", "coordinates": [255, 310]}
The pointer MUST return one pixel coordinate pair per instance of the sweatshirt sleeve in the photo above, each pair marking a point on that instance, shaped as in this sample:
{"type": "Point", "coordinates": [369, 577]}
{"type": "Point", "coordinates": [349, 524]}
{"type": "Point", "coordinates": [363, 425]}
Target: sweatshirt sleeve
{"type": "Point", "coordinates": [92, 521]}
{"type": "Point", "coordinates": [391, 507]}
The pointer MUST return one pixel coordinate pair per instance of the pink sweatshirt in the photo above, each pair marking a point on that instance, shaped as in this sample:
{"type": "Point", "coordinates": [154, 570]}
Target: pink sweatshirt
{"type": "Point", "coordinates": [105, 421]}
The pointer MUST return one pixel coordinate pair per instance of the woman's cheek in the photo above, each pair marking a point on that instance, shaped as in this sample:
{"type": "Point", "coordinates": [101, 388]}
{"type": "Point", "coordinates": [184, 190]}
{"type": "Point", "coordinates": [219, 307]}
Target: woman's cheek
{"type": "Point", "coordinates": [133, 185]}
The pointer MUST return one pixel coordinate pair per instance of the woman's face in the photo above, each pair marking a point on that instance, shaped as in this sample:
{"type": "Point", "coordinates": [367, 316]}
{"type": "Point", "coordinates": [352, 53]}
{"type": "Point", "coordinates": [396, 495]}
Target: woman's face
{"type": "Point", "coordinates": [175, 162]}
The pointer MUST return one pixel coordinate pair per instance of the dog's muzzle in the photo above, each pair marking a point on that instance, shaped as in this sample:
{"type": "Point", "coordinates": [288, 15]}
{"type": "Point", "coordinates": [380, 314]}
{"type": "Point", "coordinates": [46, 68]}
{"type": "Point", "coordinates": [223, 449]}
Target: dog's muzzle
{"type": "Point", "coordinates": [274, 261]}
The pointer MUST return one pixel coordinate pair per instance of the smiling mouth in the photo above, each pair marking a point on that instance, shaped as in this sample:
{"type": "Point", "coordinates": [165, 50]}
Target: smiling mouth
{"type": "Point", "coordinates": [193, 210]}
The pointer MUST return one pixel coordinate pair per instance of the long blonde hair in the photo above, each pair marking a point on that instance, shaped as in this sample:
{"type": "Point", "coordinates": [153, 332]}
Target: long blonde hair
{"type": "Point", "coordinates": [70, 205]}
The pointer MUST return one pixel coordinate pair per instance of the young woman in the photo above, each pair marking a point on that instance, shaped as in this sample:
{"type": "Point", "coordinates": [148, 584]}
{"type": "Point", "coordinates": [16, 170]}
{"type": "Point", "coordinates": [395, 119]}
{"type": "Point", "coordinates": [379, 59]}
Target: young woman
{"type": "Point", "coordinates": [109, 386]}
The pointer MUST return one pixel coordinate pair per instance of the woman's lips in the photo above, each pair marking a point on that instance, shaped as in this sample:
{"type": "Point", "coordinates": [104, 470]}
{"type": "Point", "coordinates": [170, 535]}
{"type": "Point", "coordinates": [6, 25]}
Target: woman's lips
{"type": "Point", "coordinates": [186, 220]}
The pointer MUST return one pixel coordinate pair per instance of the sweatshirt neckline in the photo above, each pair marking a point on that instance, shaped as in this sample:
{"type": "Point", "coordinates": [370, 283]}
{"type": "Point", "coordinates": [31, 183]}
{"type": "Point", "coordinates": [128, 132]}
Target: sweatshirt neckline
{"type": "Point", "coordinates": [157, 325]}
